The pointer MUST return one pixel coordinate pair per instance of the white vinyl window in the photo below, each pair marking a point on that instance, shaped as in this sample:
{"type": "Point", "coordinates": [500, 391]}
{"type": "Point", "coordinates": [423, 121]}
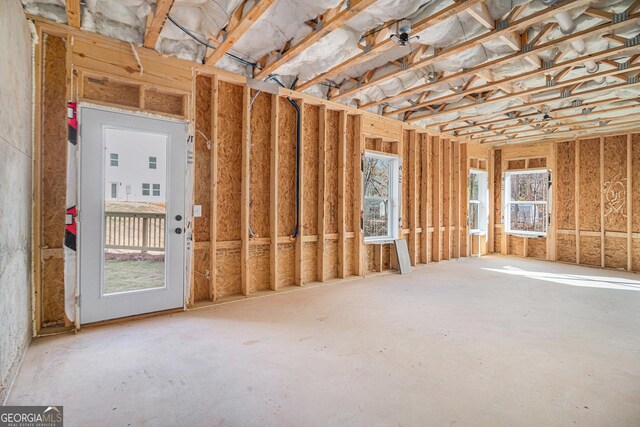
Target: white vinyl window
{"type": "Point", "coordinates": [478, 201]}
{"type": "Point", "coordinates": [153, 162]}
{"type": "Point", "coordinates": [114, 159]}
{"type": "Point", "coordinates": [527, 199]}
{"type": "Point", "coordinates": [381, 194]}
{"type": "Point", "coordinates": [156, 189]}
{"type": "Point", "coordinates": [146, 189]}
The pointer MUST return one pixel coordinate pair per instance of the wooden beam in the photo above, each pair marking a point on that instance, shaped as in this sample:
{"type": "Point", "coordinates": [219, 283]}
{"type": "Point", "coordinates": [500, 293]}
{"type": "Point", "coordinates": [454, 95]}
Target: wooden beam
{"type": "Point", "coordinates": [358, 152]}
{"type": "Point", "coordinates": [602, 209]}
{"type": "Point", "coordinates": [437, 194]}
{"type": "Point", "coordinates": [413, 196]}
{"type": "Point", "coordinates": [568, 84]}
{"type": "Point", "coordinates": [342, 164]}
{"type": "Point", "coordinates": [456, 200]}
{"type": "Point", "coordinates": [273, 192]}
{"type": "Point", "coordinates": [213, 215]}
{"type": "Point", "coordinates": [480, 12]}
{"type": "Point", "coordinates": [418, 27]}
{"type": "Point", "coordinates": [629, 202]}
{"type": "Point", "coordinates": [155, 22]}
{"type": "Point", "coordinates": [235, 32]}
{"type": "Point", "coordinates": [73, 13]}
{"type": "Point", "coordinates": [353, 8]}
{"type": "Point", "coordinates": [299, 249]}
{"type": "Point", "coordinates": [569, 98]}
{"type": "Point", "coordinates": [502, 33]}
{"type": "Point", "coordinates": [491, 232]}
{"type": "Point", "coordinates": [322, 208]}
{"type": "Point", "coordinates": [424, 165]}
{"type": "Point", "coordinates": [244, 190]}
{"type": "Point", "coordinates": [590, 32]}
{"type": "Point", "coordinates": [446, 198]}
{"type": "Point", "coordinates": [552, 164]}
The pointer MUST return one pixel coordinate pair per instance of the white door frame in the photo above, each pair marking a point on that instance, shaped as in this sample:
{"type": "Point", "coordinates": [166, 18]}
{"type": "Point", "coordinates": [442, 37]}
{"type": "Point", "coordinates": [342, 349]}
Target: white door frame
{"type": "Point", "coordinates": [94, 306]}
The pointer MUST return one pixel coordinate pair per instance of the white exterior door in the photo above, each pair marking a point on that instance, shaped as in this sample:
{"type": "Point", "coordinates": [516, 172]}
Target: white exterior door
{"type": "Point", "coordinates": [132, 246]}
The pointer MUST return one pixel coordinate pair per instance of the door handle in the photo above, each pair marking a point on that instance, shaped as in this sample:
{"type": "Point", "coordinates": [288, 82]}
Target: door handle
{"type": "Point", "coordinates": [178, 230]}
{"type": "Point", "coordinates": [178, 217]}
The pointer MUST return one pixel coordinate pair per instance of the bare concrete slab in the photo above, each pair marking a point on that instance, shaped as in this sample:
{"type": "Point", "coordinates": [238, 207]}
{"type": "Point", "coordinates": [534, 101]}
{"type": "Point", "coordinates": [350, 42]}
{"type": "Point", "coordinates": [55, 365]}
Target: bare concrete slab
{"type": "Point", "coordinates": [488, 341]}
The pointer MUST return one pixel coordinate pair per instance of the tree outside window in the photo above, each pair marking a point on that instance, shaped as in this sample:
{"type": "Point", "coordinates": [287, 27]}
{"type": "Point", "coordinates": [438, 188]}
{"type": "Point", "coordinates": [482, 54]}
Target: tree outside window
{"type": "Point", "coordinates": [380, 185]}
{"type": "Point", "coordinates": [527, 199]}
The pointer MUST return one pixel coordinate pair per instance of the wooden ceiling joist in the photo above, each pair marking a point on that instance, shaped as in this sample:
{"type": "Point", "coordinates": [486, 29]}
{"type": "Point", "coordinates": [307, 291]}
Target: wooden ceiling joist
{"type": "Point", "coordinates": [621, 50]}
{"type": "Point", "coordinates": [331, 20]}
{"type": "Point", "coordinates": [503, 31]}
{"type": "Point", "coordinates": [513, 116]}
{"type": "Point", "coordinates": [611, 126]}
{"type": "Point", "coordinates": [592, 32]}
{"type": "Point", "coordinates": [155, 22]}
{"type": "Point", "coordinates": [371, 51]}
{"type": "Point", "coordinates": [237, 27]}
{"type": "Point", "coordinates": [73, 13]}
{"type": "Point", "coordinates": [540, 121]}
{"type": "Point", "coordinates": [575, 97]}
{"type": "Point", "coordinates": [553, 124]}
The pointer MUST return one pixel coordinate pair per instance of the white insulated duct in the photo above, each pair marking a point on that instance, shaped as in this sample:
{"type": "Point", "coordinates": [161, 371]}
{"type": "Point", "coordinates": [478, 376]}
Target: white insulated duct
{"type": "Point", "coordinates": [568, 26]}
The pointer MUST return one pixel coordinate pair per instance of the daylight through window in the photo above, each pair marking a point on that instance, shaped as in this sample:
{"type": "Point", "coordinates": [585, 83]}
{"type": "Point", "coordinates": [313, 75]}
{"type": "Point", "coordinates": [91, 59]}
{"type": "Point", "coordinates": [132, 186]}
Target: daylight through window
{"type": "Point", "coordinates": [527, 198]}
{"type": "Point", "coordinates": [380, 196]}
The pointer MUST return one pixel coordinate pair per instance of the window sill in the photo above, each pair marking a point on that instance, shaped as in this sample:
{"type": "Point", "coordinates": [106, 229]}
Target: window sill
{"type": "Point", "coordinates": [527, 235]}
{"type": "Point", "coordinates": [378, 241]}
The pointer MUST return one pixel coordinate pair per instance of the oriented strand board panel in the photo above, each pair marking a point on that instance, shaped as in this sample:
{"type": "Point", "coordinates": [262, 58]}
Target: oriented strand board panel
{"type": "Point", "coordinates": [566, 247]}
{"type": "Point", "coordinates": [615, 184]}
{"type": "Point", "coordinates": [429, 185]}
{"type": "Point", "coordinates": [540, 162]}
{"type": "Point", "coordinates": [349, 174]}
{"type": "Point", "coordinates": [349, 267]}
{"type": "Point", "coordinates": [537, 248]}
{"type": "Point", "coordinates": [309, 262]}
{"type": "Point", "coordinates": [635, 141]}
{"type": "Point", "coordinates": [260, 165]}
{"type": "Point", "coordinates": [497, 240]}
{"type": "Point", "coordinates": [53, 292]}
{"type": "Point", "coordinates": [202, 159]}
{"type": "Point", "coordinates": [331, 259]}
{"type": "Point", "coordinates": [635, 255]}
{"type": "Point", "coordinates": [405, 180]}
{"type": "Point", "coordinates": [565, 182]}
{"type": "Point", "coordinates": [286, 169]}
{"type": "Point", "coordinates": [162, 102]}
{"type": "Point", "coordinates": [497, 196]}
{"type": "Point", "coordinates": [589, 201]}
{"type": "Point", "coordinates": [111, 92]}
{"type": "Point", "coordinates": [310, 169]}
{"type": "Point", "coordinates": [516, 245]}
{"type": "Point", "coordinates": [615, 252]}
{"type": "Point", "coordinates": [286, 264]}
{"type": "Point", "coordinates": [200, 274]}
{"type": "Point", "coordinates": [590, 250]}
{"type": "Point", "coordinates": [54, 143]}
{"type": "Point", "coordinates": [54, 162]}
{"type": "Point", "coordinates": [229, 161]}
{"type": "Point", "coordinates": [331, 172]}
{"type": "Point", "coordinates": [370, 258]}
{"type": "Point", "coordinates": [259, 268]}
{"type": "Point", "coordinates": [516, 164]}
{"type": "Point", "coordinates": [228, 280]}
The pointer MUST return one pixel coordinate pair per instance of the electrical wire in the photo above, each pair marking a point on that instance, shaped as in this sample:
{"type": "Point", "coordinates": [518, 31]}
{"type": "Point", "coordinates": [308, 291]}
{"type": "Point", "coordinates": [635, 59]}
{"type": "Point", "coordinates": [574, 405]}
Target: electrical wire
{"type": "Point", "coordinates": [199, 40]}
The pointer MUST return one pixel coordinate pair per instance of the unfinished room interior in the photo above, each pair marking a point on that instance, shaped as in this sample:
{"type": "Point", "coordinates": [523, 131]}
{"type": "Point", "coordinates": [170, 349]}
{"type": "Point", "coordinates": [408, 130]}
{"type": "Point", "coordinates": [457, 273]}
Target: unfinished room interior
{"type": "Point", "coordinates": [320, 212]}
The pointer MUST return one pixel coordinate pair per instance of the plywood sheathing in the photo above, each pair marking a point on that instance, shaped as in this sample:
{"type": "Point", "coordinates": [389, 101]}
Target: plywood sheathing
{"type": "Point", "coordinates": [497, 200]}
{"type": "Point", "coordinates": [202, 163]}
{"type": "Point", "coordinates": [565, 185]}
{"type": "Point", "coordinates": [589, 196]}
{"type": "Point", "coordinates": [331, 172]}
{"type": "Point", "coordinates": [286, 168]}
{"type": "Point", "coordinates": [54, 161]}
{"type": "Point", "coordinates": [260, 165]}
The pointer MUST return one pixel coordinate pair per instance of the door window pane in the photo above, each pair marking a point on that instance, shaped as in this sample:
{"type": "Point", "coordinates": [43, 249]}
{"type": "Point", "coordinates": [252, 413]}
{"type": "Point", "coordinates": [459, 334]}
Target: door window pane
{"type": "Point", "coordinates": [134, 227]}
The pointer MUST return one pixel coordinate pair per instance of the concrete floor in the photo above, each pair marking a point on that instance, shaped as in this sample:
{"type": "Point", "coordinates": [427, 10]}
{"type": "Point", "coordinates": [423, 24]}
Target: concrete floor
{"type": "Point", "coordinates": [490, 341]}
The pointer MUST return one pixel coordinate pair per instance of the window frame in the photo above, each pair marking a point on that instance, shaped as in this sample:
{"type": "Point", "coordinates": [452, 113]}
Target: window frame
{"type": "Point", "coordinates": [483, 203]}
{"type": "Point", "coordinates": [394, 196]}
{"type": "Point", "coordinates": [147, 189]}
{"type": "Point", "coordinates": [153, 162]}
{"type": "Point", "coordinates": [507, 202]}
{"type": "Point", "coordinates": [153, 190]}
{"type": "Point", "coordinates": [114, 159]}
